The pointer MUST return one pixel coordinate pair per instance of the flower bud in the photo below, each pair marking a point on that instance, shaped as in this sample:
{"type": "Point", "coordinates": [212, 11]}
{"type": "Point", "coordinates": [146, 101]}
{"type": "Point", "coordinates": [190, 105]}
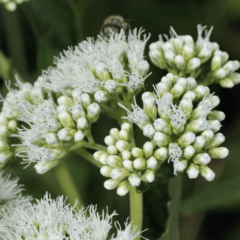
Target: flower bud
{"type": "Point", "coordinates": [112, 150]}
{"type": "Point", "coordinates": [235, 78]}
{"type": "Point", "coordinates": [186, 139]}
{"type": "Point", "coordinates": [126, 154]}
{"type": "Point", "coordinates": [214, 125]}
{"type": "Point", "coordinates": [180, 62]}
{"type": "Point", "coordinates": [76, 94]}
{"type": "Point", "coordinates": [193, 171]}
{"type": "Point", "coordinates": [3, 130]}
{"type": "Point", "coordinates": [193, 64]}
{"type": "Point", "coordinates": [128, 164]}
{"type": "Point", "coordinates": [207, 173]}
{"type": "Point", "coordinates": [149, 175]}
{"type": "Point", "coordinates": [103, 159]}
{"type": "Point", "coordinates": [199, 143]}
{"type": "Point", "coordinates": [188, 51]}
{"type": "Point", "coordinates": [220, 152]}
{"type": "Point", "coordinates": [188, 152]}
{"type": "Point", "coordinates": [102, 72]}
{"type": "Point", "coordinates": [111, 184]}
{"type": "Point", "coordinates": [157, 59]}
{"type": "Point", "coordinates": [148, 149]}
{"type": "Point", "coordinates": [191, 95]}
{"type": "Point", "coordinates": [12, 125]}
{"type": "Point", "coordinates": [123, 188]}
{"type": "Point", "coordinates": [161, 154]}
{"type": "Point", "coordinates": [191, 83]}
{"type": "Point", "coordinates": [114, 161]}
{"type": "Point", "coordinates": [114, 132]}
{"type": "Point", "coordinates": [202, 159]}
{"type": "Point", "coordinates": [3, 146]}
{"type": "Point", "coordinates": [163, 87]}
{"type": "Point", "coordinates": [3, 119]}
{"type": "Point", "coordinates": [143, 67]}
{"type": "Point", "coordinates": [44, 166]}
{"type": "Point", "coordinates": [216, 63]}
{"type": "Point", "coordinates": [161, 139]}
{"type": "Point", "coordinates": [179, 166]}
{"type": "Point", "coordinates": [226, 83]}
{"type": "Point", "coordinates": [134, 179]}
{"type": "Point", "coordinates": [200, 92]}
{"type": "Point", "coordinates": [152, 163]}
{"type": "Point", "coordinates": [93, 112]}
{"type": "Point", "coordinates": [139, 163]}
{"type": "Point", "coordinates": [196, 126]}
{"type": "Point", "coordinates": [186, 106]}
{"type": "Point", "coordinates": [148, 130]}
{"type": "Point", "coordinates": [64, 100]}
{"type": "Point", "coordinates": [169, 56]}
{"type": "Point", "coordinates": [169, 79]}
{"type": "Point", "coordinates": [5, 156]}
{"type": "Point", "coordinates": [52, 139]}
{"type": "Point", "coordinates": [98, 154]}
{"type": "Point", "coordinates": [111, 86]}
{"type": "Point", "coordinates": [101, 96]}
{"type": "Point", "coordinates": [220, 73]}
{"type": "Point", "coordinates": [62, 108]}
{"type": "Point", "coordinates": [149, 107]}
{"type": "Point", "coordinates": [109, 140]}
{"type": "Point", "coordinates": [106, 171]}
{"type": "Point", "coordinates": [122, 145]}
{"type": "Point", "coordinates": [204, 54]}
{"type": "Point", "coordinates": [37, 95]}
{"type": "Point", "coordinates": [178, 90]}
{"type": "Point", "coordinates": [216, 115]}
{"type": "Point", "coordinates": [124, 135]}
{"type": "Point", "coordinates": [82, 123]}
{"type": "Point", "coordinates": [66, 120]}
{"type": "Point", "coordinates": [137, 152]}
{"type": "Point", "coordinates": [216, 141]}
{"type": "Point", "coordinates": [162, 126]}
{"type": "Point", "coordinates": [119, 173]}
{"type": "Point", "coordinates": [85, 100]}
{"type": "Point", "coordinates": [77, 112]}
{"type": "Point", "coordinates": [78, 136]}
{"type": "Point", "coordinates": [66, 134]}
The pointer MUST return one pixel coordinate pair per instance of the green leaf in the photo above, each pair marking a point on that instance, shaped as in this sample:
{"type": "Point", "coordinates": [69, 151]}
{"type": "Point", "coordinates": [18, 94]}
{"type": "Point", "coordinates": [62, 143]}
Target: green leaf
{"type": "Point", "coordinates": [175, 186]}
{"type": "Point", "coordinates": [5, 66]}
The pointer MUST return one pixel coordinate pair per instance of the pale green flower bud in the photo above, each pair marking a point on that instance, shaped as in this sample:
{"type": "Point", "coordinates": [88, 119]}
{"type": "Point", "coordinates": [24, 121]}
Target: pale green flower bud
{"type": "Point", "coordinates": [200, 92]}
{"type": "Point", "coordinates": [188, 152]}
{"type": "Point", "coordinates": [42, 166]}
{"type": "Point", "coordinates": [114, 132]}
{"type": "Point", "coordinates": [157, 59]}
{"type": "Point", "coordinates": [114, 161]}
{"type": "Point", "coordinates": [112, 150]}
{"type": "Point", "coordinates": [10, 6]}
{"type": "Point", "coordinates": [85, 100]}
{"type": "Point", "coordinates": [77, 112]}
{"type": "Point", "coordinates": [162, 126]}
{"type": "Point", "coordinates": [128, 164]}
{"type": "Point", "coordinates": [123, 188]}
{"type": "Point", "coordinates": [207, 173]}
{"type": "Point", "coordinates": [202, 158]}
{"type": "Point", "coordinates": [127, 127]}
{"type": "Point", "coordinates": [156, 45]}
{"type": "Point", "coordinates": [149, 175]}
{"type": "Point", "coordinates": [148, 149]}
{"type": "Point", "coordinates": [216, 63]}
{"type": "Point", "coordinates": [12, 125]}
{"type": "Point", "coordinates": [161, 139]}
{"type": "Point", "coordinates": [111, 184]}
{"type": "Point", "coordinates": [215, 100]}
{"type": "Point", "coordinates": [111, 86]}
{"type": "Point", "coordinates": [169, 56]}
{"type": "Point", "coordinates": [5, 156]}
{"type": "Point", "coordinates": [3, 131]}
{"type": "Point", "coordinates": [169, 79]}
{"type": "Point", "coordinates": [82, 123]}
{"type": "Point", "coordinates": [188, 51]}
{"type": "Point", "coordinates": [204, 54]}
{"type": "Point", "coordinates": [152, 163]}
{"type": "Point", "coordinates": [122, 145]}
{"type": "Point", "coordinates": [168, 46]}
{"type": "Point", "coordinates": [191, 83]}
{"type": "Point", "coordinates": [220, 152]}
{"type": "Point", "coordinates": [148, 131]}
{"type": "Point", "coordinates": [64, 100]}
{"type": "Point", "coordinates": [106, 171]}
{"type": "Point", "coordinates": [182, 81]}
{"type": "Point", "coordinates": [178, 44]}
{"type": "Point", "coordinates": [178, 90]}
{"type": "Point", "coordinates": [98, 154]}
{"type": "Point", "coordinates": [180, 62]}
{"type": "Point", "coordinates": [226, 83]}
{"type": "Point", "coordinates": [134, 179]}
{"type": "Point", "coordinates": [93, 112]}
{"type": "Point", "coordinates": [161, 154]}
{"type": "Point", "coordinates": [216, 141]}
{"type": "Point", "coordinates": [52, 139]}
{"type": "Point", "coordinates": [66, 134]}
{"type": "Point", "coordinates": [186, 139]}
{"type": "Point", "coordinates": [139, 163]}
{"type": "Point", "coordinates": [101, 96]}
{"type": "Point", "coordinates": [66, 120]}
{"type": "Point", "coordinates": [119, 173]}
{"type": "Point", "coordinates": [103, 159]}
{"type": "Point", "coordinates": [199, 143]}
{"type": "Point", "coordinates": [162, 88]}
{"type": "Point", "coordinates": [62, 108]}
{"type": "Point", "coordinates": [186, 106]}
{"type": "Point", "coordinates": [192, 171]}
{"type": "Point", "coordinates": [214, 125]}
{"type": "Point", "coordinates": [126, 155]}
{"type": "Point", "coordinates": [216, 115]}
{"type": "Point", "coordinates": [191, 95]}
{"type": "Point", "coordinates": [3, 146]}
{"type": "Point", "coordinates": [137, 152]}
{"type": "Point", "coordinates": [196, 126]}
{"type": "Point", "coordinates": [76, 94]}
{"type": "Point", "coordinates": [143, 67]}
{"type": "Point", "coordinates": [37, 94]}
{"type": "Point", "coordinates": [102, 72]}
{"type": "Point", "coordinates": [180, 166]}
{"type": "Point", "coordinates": [220, 73]}
{"type": "Point", "coordinates": [124, 135]}
{"type": "Point", "coordinates": [193, 64]}
{"type": "Point", "coordinates": [3, 119]}
{"type": "Point", "coordinates": [149, 107]}
{"type": "Point", "coordinates": [235, 78]}
{"type": "Point", "coordinates": [78, 136]}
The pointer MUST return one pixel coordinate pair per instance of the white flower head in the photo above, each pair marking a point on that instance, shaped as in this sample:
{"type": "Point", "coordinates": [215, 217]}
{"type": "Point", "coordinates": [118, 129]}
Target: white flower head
{"type": "Point", "coordinates": [200, 32]}
{"type": "Point", "coordinates": [206, 105]}
{"type": "Point", "coordinates": [177, 116]}
{"type": "Point", "coordinates": [175, 152]}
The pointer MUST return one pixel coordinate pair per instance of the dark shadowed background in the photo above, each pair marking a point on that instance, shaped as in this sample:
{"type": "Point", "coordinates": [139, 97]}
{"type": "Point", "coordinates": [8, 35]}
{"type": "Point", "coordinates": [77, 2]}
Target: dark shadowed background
{"type": "Point", "coordinates": [40, 29]}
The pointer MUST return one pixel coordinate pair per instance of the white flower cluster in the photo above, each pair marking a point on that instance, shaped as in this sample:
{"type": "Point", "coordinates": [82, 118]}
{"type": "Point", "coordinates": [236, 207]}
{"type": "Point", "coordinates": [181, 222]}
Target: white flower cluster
{"type": "Point", "coordinates": [202, 59]}
{"type": "Point", "coordinates": [55, 220]}
{"type": "Point", "coordinates": [11, 193]}
{"type": "Point", "coordinates": [187, 126]}
{"type": "Point", "coordinates": [103, 68]}
{"type": "Point", "coordinates": [126, 165]}
{"type": "Point", "coordinates": [11, 5]}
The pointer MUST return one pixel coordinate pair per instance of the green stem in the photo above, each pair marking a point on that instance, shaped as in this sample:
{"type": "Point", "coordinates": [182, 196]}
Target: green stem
{"type": "Point", "coordinates": [90, 138]}
{"type": "Point", "coordinates": [67, 184]}
{"type": "Point", "coordinates": [94, 146]}
{"type": "Point", "coordinates": [88, 156]}
{"type": "Point", "coordinates": [136, 209]}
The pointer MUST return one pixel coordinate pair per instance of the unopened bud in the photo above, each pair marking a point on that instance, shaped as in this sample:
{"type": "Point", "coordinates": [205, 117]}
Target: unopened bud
{"type": "Point", "coordinates": [191, 95]}
{"type": "Point", "coordinates": [161, 139]}
{"type": "Point", "coordinates": [67, 101]}
{"type": "Point", "coordinates": [216, 141]}
{"type": "Point", "coordinates": [124, 135]}
{"type": "Point", "coordinates": [139, 163]}
{"type": "Point", "coordinates": [143, 67]}
{"type": "Point", "coordinates": [106, 171]}
{"type": "Point", "coordinates": [98, 154]}
{"type": "Point", "coordinates": [226, 83]}
{"type": "Point", "coordinates": [188, 152]}
{"type": "Point", "coordinates": [199, 143]}
{"type": "Point", "coordinates": [85, 100]}
{"type": "Point", "coordinates": [188, 51]}
{"type": "Point", "coordinates": [193, 64]}
{"type": "Point", "coordinates": [149, 175]}
{"type": "Point", "coordinates": [186, 106]}
{"type": "Point", "coordinates": [196, 126]}
{"type": "Point", "coordinates": [44, 166]}
{"type": "Point", "coordinates": [148, 131]}
{"type": "Point", "coordinates": [186, 139]}
{"type": "Point", "coordinates": [122, 145]}
{"type": "Point", "coordinates": [111, 184]}
{"type": "Point", "coordinates": [202, 159]}
{"type": "Point", "coordinates": [161, 154]}
{"type": "Point", "coordinates": [134, 179]}
{"type": "Point", "coordinates": [162, 126]}
{"type": "Point", "coordinates": [180, 62]}
{"type": "Point", "coordinates": [207, 173]}
{"type": "Point", "coordinates": [216, 115]}
{"type": "Point", "coordinates": [126, 155]}
{"type": "Point", "coordinates": [178, 90]}
{"type": "Point", "coordinates": [128, 164]}
{"type": "Point", "coordinates": [114, 161]}
{"type": "Point", "coordinates": [148, 149]}
{"type": "Point", "coordinates": [152, 163]}
{"type": "Point", "coordinates": [114, 132]}
{"type": "Point", "coordinates": [78, 136]}
{"type": "Point", "coordinates": [137, 152]}
{"type": "Point", "coordinates": [82, 123]}
{"type": "Point", "coordinates": [109, 140]}
{"type": "Point", "coordinates": [214, 125]}
{"type": "Point", "coordinates": [112, 150]}
{"type": "Point", "coordinates": [66, 120]}
{"type": "Point", "coordinates": [103, 159]}
{"type": "Point", "coordinates": [93, 112]}
{"type": "Point", "coordinates": [12, 125]}
{"type": "Point", "coordinates": [204, 54]}
{"type": "Point", "coordinates": [216, 63]}
{"type": "Point", "coordinates": [66, 134]}
{"type": "Point", "coordinates": [101, 96]}
{"type": "Point", "coordinates": [220, 73]}
{"type": "Point", "coordinates": [220, 152]}
{"type": "Point", "coordinates": [193, 171]}
{"type": "Point", "coordinates": [119, 173]}
{"type": "Point", "coordinates": [149, 107]}
{"type": "Point", "coordinates": [123, 188]}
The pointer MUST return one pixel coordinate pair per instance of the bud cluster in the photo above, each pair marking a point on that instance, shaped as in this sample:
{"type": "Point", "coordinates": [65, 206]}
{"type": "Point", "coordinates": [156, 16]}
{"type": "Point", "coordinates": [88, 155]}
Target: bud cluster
{"type": "Point", "coordinates": [126, 165]}
{"type": "Point", "coordinates": [11, 5]}
{"type": "Point", "coordinates": [202, 59]}
{"type": "Point", "coordinates": [187, 125]}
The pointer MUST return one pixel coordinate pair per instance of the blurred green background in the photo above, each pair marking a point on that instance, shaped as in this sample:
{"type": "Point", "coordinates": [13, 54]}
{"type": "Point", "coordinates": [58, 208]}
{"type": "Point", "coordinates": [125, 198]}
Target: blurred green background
{"type": "Point", "coordinates": [40, 29]}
